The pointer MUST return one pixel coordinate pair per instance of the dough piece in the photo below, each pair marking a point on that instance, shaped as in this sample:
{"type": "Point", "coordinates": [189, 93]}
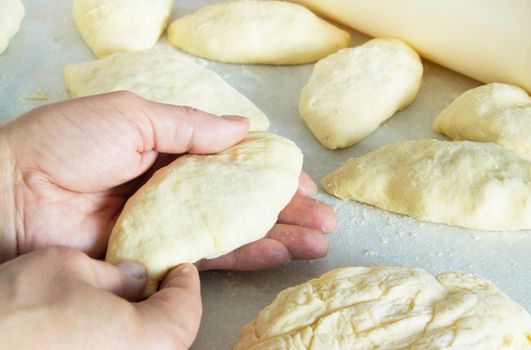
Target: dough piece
{"type": "Point", "coordinates": [470, 184]}
{"type": "Point", "coordinates": [204, 206]}
{"type": "Point", "coordinates": [495, 112]}
{"type": "Point", "coordinates": [353, 91]}
{"type": "Point", "coordinates": [390, 308]}
{"type": "Point", "coordinates": [11, 15]}
{"type": "Point", "coordinates": [162, 75]}
{"type": "Point", "coordinates": [109, 26]}
{"type": "Point", "coordinates": [267, 32]}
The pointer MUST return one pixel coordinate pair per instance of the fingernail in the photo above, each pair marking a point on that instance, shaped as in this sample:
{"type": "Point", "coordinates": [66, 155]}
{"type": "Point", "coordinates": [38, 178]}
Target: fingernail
{"type": "Point", "coordinates": [235, 118]}
{"type": "Point", "coordinates": [183, 269]}
{"type": "Point", "coordinates": [133, 269]}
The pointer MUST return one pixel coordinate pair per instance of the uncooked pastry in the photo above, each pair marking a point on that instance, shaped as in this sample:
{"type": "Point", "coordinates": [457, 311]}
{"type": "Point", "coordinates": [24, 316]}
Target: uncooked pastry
{"type": "Point", "coordinates": [470, 184]}
{"type": "Point", "coordinates": [11, 15]}
{"type": "Point", "coordinates": [495, 112]}
{"type": "Point", "coordinates": [350, 93]}
{"type": "Point", "coordinates": [267, 32]}
{"type": "Point", "coordinates": [109, 26]}
{"type": "Point", "coordinates": [204, 206]}
{"type": "Point", "coordinates": [390, 308]}
{"type": "Point", "coordinates": [162, 75]}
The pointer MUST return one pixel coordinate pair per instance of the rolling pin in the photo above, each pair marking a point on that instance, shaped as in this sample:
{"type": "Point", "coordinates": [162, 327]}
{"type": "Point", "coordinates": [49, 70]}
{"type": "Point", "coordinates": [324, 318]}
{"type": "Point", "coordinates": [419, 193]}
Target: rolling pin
{"type": "Point", "coordinates": [488, 40]}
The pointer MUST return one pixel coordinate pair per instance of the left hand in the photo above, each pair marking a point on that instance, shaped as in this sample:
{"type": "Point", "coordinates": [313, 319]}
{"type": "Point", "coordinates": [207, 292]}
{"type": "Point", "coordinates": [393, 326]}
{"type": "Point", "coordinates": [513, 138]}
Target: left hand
{"type": "Point", "coordinates": [72, 165]}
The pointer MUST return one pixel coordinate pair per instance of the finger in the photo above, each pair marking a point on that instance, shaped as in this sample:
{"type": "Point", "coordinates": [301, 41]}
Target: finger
{"type": "Point", "coordinates": [307, 212]}
{"type": "Point", "coordinates": [264, 254]}
{"type": "Point", "coordinates": [307, 186]}
{"type": "Point", "coordinates": [302, 243]}
{"type": "Point", "coordinates": [175, 310]}
{"type": "Point", "coordinates": [176, 129]}
{"type": "Point", "coordinates": [126, 279]}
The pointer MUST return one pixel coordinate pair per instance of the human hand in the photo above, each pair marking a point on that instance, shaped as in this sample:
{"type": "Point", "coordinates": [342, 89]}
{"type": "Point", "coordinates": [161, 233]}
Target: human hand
{"type": "Point", "coordinates": [59, 298]}
{"type": "Point", "coordinates": [71, 166]}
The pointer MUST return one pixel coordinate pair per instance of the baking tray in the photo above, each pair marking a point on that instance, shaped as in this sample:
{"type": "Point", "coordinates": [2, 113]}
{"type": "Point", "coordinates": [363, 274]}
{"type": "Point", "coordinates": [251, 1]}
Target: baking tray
{"type": "Point", "coordinates": [31, 74]}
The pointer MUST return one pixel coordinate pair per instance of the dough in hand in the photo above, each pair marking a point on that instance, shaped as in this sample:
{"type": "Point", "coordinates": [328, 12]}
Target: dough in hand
{"type": "Point", "coordinates": [11, 15]}
{"type": "Point", "coordinates": [204, 206]}
{"type": "Point", "coordinates": [250, 31]}
{"type": "Point", "coordinates": [495, 112]}
{"type": "Point", "coordinates": [162, 75]}
{"type": "Point", "coordinates": [350, 93]}
{"type": "Point", "coordinates": [470, 184]}
{"type": "Point", "coordinates": [390, 308]}
{"type": "Point", "coordinates": [109, 26]}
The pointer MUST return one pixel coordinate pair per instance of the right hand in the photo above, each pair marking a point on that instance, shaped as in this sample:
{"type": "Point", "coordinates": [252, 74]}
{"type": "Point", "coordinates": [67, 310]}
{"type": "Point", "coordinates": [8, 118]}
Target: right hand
{"type": "Point", "coordinates": [59, 298]}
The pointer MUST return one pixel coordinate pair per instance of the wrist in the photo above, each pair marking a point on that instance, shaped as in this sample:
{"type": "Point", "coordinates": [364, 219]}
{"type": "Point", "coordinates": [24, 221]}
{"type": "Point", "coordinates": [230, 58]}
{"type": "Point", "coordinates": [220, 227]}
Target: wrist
{"type": "Point", "coordinates": [8, 210]}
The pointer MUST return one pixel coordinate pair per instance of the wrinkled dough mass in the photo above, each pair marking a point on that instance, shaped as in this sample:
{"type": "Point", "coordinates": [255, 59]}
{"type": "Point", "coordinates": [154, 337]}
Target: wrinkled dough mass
{"type": "Point", "coordinates": [264, 32]}
{"type": "Point", "coordinates": [351, 92]}
{"type": "Point", "coordinates": [204, 206]}
{"type": "Point", "coordinates": [390, 308]}
{"type": "Point", "coordinates": [11, 15]}
{"type": "Point", "coordinates": [166, 76]}
{"type": "Point", "coordinates": [109, 26]}
{"type": "Point", "coordinates": [470, 184]}
{"type": "Point", "coordinates": [495, 112]}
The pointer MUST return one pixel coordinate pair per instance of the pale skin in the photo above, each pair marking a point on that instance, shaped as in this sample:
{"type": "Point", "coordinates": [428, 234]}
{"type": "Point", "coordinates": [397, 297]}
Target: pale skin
{"type": "Point", "coordinates": [66, 171]}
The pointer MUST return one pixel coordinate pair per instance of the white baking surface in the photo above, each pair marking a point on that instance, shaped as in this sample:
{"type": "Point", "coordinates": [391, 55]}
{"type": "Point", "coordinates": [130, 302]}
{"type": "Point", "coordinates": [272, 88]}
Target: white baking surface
{"type": "Point", "coordinates": [31, 74]}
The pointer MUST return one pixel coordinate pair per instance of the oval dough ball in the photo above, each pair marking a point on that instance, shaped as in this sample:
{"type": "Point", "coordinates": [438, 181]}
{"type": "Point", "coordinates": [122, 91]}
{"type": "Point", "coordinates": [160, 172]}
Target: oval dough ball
{"type": "Point", "coordinates": [495, 112]}
{"type": "Point", "coordinates": [350, 93]}
{"type": "Point", "coordinates": [204, 206]}
{"type": "Point", "coordinates": [162, 75]}
{"type": "Point", "coordinates": [109, 26]}
{"type": "Point", "coordinates": [390, 308]}
{"type": "Point", "coordinates": [266, 32]}
{"type": "Point", "coordinates": [11, 16]}
{"type": "Point", "coordinates": [470, 184]}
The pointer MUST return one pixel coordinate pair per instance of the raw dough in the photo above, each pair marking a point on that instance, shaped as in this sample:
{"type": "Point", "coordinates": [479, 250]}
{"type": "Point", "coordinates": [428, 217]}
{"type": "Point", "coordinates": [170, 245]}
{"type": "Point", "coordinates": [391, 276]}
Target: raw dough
{"type": "Point", "coordinates": [353, 91]}
{"type": "Point", "coordinates": [470, 184]}
{"type": "Point", "coordinates": [495, 112]}
{"type": "Point", "coordinates": [11, 15]}
{"type": "Point", "coordinates": [162, 75]}
{"type": "Point", "coordinates": [267, 32]}
{"type": "Point", "coordinates": [206, 206]}
{"type": "Point", "coordinates": [390, 308]}
{"type": "Point", "coordinates": [108, 26]}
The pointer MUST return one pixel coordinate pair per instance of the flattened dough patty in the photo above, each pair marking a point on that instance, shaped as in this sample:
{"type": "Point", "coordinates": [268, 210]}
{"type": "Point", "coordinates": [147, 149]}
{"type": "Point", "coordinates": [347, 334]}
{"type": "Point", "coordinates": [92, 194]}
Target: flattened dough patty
{"type": "Point", "coordinates": [250, 31]}
{"type": "Point", "coordinates": [390, 308]}
{"type": "Point", "coordinates": [350, 93]}
{"type": "Point", "coordinates": [204, 206]}
{"type": "Point", "coordinates": [166, 76]}
{"type": "Point", "coordinates": [470, 184]}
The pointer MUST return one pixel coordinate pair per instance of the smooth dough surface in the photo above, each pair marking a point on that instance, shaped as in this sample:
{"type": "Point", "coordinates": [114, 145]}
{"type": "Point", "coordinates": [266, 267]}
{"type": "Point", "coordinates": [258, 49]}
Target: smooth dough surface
{"type": "Point", "coordinates": [495, 112]}
{"type": "Point", "coordinates": [206, 206]}
{"type": "Point", "coordinates": [11, 15]}
{"type": "Point", "coordinates": [162, 75]}
{"type": "Point", "coordinates": [109, 26]}
{"type": "Point", "coordinates": [390, 308]}
{"type": "Point", "coordinates": [250, 31]}
{"type": "Point", "coordinates": [350, 93]}
{"type": "Point", "coordinates": [470, 184]}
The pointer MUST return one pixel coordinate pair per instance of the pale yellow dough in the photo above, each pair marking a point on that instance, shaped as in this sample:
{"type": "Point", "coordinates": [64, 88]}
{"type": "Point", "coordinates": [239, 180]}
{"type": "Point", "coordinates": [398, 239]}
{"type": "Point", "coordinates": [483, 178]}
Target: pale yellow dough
{"type": "Point", "coordinates": [495, 112]}
{"type": "Point", "coordinates": [11, 15]}
{"type": "Point", "coordinates": [470, 184]}
{"type": "Point", "coordinates": [162, 75]}
{"type": "Point", "coordinates": [206, 206]}
{"type": "Point", "coordinates": [390, 308]}
{"type": "Point", "coordinates": [350, 93]}
{"type": "Point", "coordinates": [109, 26]}
{"type": "Point", "coordinates": [250, 31]}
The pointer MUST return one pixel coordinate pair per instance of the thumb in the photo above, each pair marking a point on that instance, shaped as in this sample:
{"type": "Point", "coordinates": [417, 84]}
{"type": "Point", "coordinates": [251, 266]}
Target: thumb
{"type": "Point", "coordinates": [176, 308]}
{"type": "Point", "coordinates": [177, 129]}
